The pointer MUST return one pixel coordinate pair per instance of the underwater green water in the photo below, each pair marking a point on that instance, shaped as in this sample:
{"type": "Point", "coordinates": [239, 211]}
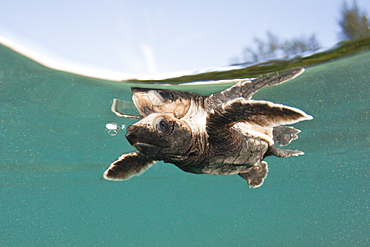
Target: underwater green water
{"type": "Point", "coordinates": [54, 150]}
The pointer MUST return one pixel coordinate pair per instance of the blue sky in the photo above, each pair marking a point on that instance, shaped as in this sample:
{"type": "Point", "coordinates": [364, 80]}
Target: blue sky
{"type": "Point", "coordinates": [150, 38]}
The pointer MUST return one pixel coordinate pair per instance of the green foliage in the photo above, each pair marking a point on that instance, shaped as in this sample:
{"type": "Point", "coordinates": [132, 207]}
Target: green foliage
{"type": "Point", "coordinates": [355, 29]}
{"type": "Point", "coordinates": [343, 49]}
{"type": "Point", "coordinates": [273, 48]}
{"type": "Point", "coordinates": [354, 24]}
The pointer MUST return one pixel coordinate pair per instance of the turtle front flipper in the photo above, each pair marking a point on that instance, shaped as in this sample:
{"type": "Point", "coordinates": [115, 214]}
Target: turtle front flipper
{"type": "Point", "coordinates": [259, 113]}
{"type": "Point", "coordinates": [221, 122]}
{"type": "Point", "coordinates": [148, 101]}
{"type": "Point", "coordinates": [248, 87]}
{"type": "Point", "coordinates": [256, 175]}
{"type": "Point", "coordinates": [127, 166]}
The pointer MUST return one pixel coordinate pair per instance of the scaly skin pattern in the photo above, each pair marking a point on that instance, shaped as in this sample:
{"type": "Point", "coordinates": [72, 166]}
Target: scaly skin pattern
{"type": "Point", "coordinates": [225, 133]}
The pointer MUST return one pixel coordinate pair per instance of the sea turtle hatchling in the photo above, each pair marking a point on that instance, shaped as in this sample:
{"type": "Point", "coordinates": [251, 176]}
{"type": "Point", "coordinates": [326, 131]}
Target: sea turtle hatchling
{"type": "Point", "coordinates": [225, 133]}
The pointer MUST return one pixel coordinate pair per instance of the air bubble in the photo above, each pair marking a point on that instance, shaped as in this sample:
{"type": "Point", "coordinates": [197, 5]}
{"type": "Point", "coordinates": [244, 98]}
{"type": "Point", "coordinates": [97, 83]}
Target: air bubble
{"type": "Point", "coordinates": [112, 128]}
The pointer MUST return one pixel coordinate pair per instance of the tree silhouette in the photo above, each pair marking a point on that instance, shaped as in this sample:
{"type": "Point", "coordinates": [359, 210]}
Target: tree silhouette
{"type": "Point", "coordinates": [353, 23]}
{"type": "Point", "coordinates": [274, 49]}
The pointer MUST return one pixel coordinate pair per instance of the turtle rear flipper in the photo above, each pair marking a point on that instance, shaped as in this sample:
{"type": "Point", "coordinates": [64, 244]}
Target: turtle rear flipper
{"type": "Point", "coordinates": [127, 166]}
{"type": "Point", "coordinates": [284, 134]}
{"type": "Point", "coordinates": [282, 153]}
{"type": "Point", "coordinates": [256, 175]}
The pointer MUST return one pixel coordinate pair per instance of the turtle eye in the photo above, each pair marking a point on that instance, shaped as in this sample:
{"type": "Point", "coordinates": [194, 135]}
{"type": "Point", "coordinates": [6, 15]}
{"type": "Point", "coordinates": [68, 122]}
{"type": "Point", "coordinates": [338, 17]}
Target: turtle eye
{"type": "Point", "coordinates": [163, 125]}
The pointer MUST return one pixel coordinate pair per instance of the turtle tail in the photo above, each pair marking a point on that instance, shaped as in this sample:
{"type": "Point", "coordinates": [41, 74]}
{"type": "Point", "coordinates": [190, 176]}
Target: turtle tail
{"type": "Point", "coordinates": [256, 175]}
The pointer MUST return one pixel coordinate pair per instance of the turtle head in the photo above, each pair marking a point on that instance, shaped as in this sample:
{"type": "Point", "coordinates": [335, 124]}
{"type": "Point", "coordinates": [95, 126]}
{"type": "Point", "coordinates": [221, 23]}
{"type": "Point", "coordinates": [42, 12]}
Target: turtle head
{"type": "Point", "coordinates": [160, 136]}
{"type": "Point", "coordinates": [149, 101]}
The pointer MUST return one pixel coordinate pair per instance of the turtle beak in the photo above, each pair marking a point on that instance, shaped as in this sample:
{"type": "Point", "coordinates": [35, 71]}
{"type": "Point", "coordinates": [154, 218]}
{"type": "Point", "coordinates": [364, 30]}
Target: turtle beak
{"type": "Point", "coordinates": [138, 137]}
{"type": "Point", "coordinates": [132, 135]}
